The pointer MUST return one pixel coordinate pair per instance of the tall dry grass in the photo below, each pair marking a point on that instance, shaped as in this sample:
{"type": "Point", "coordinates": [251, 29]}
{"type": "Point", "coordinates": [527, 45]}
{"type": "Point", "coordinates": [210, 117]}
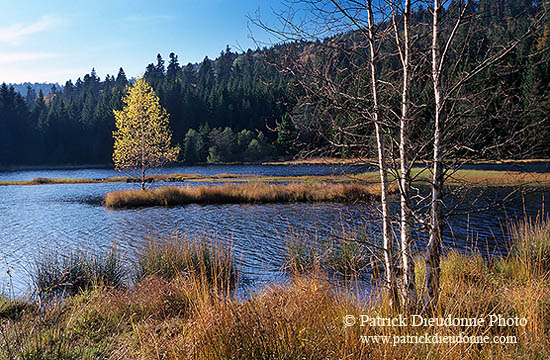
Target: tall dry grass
{"type": "Point", "coordinates": [67, 274]}
{"type": "Point", "coordinates": [350, 255]}
{"type": "Point", "coordinates": [242, 193]}
{"type": "Point", "coordinates": [198, 258]}
{"type": "Point", "coordinates": [178, 316]}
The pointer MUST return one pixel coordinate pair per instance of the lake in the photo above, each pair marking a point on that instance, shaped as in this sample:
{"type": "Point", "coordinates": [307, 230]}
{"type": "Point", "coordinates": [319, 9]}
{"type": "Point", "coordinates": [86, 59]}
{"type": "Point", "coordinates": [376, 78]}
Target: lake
{"type": "Point", "coordinates": [57, 218]}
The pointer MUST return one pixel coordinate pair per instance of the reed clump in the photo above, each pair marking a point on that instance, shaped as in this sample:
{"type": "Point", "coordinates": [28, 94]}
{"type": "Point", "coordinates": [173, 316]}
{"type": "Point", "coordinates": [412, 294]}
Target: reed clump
{"type": "Point", "coordinates": [348, 256]}
{"type": "Point", "coordinates": [68, 274]}
{"type": "Point", "coordinates": [532, 246]}
{"type": "Point", "coordinates": [242, 193]}
{"type": "Point", "coordinates": [198, 258]}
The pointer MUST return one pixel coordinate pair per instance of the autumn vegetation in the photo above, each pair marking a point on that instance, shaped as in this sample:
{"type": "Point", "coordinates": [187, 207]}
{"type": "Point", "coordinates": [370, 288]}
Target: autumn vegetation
{"type": "Point", "coordinates": [184, 305]}
{"type": "Point", "coordinates": [460, 177]}
{"type": "Point", "coordinates": [142, 136]}
{"type": "Point", "coordinates": [422, 99]}
{"type": "Point", "coordinates": [256, 193]}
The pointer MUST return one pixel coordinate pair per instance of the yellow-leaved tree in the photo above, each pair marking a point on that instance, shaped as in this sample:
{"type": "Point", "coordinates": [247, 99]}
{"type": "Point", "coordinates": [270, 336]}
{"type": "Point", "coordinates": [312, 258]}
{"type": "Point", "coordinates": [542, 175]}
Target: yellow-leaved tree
{"type": "Point", "coordinates": [142, 136]}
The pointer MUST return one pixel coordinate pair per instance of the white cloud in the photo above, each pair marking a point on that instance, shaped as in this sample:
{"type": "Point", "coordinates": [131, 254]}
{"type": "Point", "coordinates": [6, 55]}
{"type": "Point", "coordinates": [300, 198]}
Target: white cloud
{"type": "Point", "coordinates": [13, 34]}
{"type": "Point", "coordinates": [18, 57]}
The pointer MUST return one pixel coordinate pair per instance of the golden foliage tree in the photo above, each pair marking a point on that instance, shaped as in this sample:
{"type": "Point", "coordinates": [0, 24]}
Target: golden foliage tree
{"type": "Point", "coordinates": [142, 136]}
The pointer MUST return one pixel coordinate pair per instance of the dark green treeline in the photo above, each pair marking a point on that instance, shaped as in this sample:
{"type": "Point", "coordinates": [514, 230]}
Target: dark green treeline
{"type": "Point", "coordinates": [223, 108]}
{"type": "Point", "coordinates": [237, 107]}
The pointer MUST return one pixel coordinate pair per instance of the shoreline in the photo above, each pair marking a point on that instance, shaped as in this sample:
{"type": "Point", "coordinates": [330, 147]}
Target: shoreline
{"type": "Point", "coordinates": [312, 161]}
{"type": "Point", "coordinates": [369, 161]}
{"type": "Point", "coordinates": [458, 178]}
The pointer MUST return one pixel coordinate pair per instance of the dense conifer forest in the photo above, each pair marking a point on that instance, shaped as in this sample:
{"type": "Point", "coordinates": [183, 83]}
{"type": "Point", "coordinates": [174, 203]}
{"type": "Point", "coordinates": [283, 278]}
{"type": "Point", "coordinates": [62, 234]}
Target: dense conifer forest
{"type": "Point", "coordinates": [237, 107]}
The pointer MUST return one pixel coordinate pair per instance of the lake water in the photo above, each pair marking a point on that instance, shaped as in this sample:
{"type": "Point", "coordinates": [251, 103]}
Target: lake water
{"type": "Point", "coordinates": [38, 219]}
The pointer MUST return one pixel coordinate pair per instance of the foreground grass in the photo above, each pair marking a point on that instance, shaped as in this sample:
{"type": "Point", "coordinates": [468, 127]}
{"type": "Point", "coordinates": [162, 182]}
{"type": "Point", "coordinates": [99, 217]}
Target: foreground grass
{"type": "Point", "coordinates": [56, 275]}
{"type": "Point", "coordinates": [242, 193]}
{"type": "Point", "coordinates": [175, 312]}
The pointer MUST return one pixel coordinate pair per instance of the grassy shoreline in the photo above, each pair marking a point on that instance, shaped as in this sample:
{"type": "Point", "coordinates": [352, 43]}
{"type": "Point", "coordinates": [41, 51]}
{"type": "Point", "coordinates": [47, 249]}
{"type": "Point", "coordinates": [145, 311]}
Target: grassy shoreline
{"type": "Point", "coordinates": [176, 311]}
{"type": "Point", "coordinates": [366, 161]}
{"type": "Point", "coordinates": [460, 177]}
{"type": "Point", "coordinates": [127, 179]}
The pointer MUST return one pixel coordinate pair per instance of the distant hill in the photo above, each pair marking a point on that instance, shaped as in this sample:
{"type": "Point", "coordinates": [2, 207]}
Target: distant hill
{"type": "Point", "coordinates": [45, 87]}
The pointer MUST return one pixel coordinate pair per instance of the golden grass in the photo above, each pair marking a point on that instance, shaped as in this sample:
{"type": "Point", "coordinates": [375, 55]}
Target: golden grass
{"type": "Point", "coordinates": [483, 178]}
{"type": "Point", "coordinates": [459, 177]}
{"type": "Point", "coordinates": [48, 181]}
{"type": "Point", "coordinates": [181, 318]}
{"type": "Point", "coordinates": [116, 179]}
{"type": "Point", "coordinates": [191, 257]}
{"type": "Point", "coordinates": [362, 161]}
{"type": "Point", "coordinates": [324, 161]}
{"type": "Point", "coordinates": [242, 193]}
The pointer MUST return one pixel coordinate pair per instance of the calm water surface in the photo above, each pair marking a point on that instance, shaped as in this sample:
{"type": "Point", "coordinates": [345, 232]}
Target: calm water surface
{"type": "Point", "coordinates": [39, 219]}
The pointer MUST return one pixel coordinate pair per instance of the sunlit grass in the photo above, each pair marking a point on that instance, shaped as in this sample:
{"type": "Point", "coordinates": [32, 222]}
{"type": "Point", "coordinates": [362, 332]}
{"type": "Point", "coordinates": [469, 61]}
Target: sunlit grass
{"type": "Point", "coordinates": [242, 193]}
{"type": "Point", "coordinates": [188, 257]}
{"type": "Point", "coordinates": [172, 312]}
{"type": "Point", "coordinates": [420, 175]}
{"type": "Point", "coordinates": [348, 256]}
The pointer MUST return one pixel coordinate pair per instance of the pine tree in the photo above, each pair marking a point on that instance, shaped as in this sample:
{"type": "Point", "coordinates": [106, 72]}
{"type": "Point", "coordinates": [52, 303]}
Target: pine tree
{"type": "Point", "coordinates": [159, 68]}
{"type": "Point", "coordinates": [174, 68]}
{"type": "Point", "coordinates": [121, 79]}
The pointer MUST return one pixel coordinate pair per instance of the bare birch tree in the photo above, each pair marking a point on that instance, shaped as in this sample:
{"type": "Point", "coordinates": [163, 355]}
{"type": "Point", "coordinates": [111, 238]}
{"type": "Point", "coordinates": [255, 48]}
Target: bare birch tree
{"type": "Point", "coordinates": [386, 219]}
{"type": "Point", "coordinates": [450, 97]}
{"type": "Point", "coordinates": [363, 103]}
{"type": "Point", "coordinates": [345, 95]}
{"type": "Point", "coordinates": [403, 43]}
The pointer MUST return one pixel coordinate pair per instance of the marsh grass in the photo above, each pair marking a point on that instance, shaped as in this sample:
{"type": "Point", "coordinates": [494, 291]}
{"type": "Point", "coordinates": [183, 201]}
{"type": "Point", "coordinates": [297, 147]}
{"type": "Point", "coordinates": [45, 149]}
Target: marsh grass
{"type": "Point", "coordinates": [127, 179]}
{"type": "Point", "coordinates": [242, 193]}
{"type": "Point", "coordinates": [349, 256]}
{"type": "Point", "coordinates": [56, 275]}
{"type": "Point", "coordinates": [460, 177]}
{"type": "Point", "coordinates": [198, 258]}
{"type": "Point", "coordinates": [483, 178]}
{"type": "Point", "coordinates": [532, 246]}
{"type": "Point", "coordinates": [13, 309]}
{"type": "Point", "coordinates": [178, 316]}
{"type": "Point", "coordinates": [54, 181]}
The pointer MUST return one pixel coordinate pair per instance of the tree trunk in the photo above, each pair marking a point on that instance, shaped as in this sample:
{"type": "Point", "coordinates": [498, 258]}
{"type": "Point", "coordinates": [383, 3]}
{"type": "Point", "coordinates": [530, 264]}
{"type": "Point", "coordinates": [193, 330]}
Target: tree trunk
{"type": "Point", "coordinates": [389, 269]}
{"type": "Point", "coordinates": [142, 177]}
{"type": "Point", "coordinates": [409, 283]}
{"type": "Point", "coordinates": [433, 250]}
{"type": "Point", "coordinates": [142, 157]}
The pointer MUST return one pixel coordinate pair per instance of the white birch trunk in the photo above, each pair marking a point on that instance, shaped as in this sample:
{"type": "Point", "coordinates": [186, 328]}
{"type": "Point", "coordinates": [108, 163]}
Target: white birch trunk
{"type": "Point", "coordinates": [386, 223]}
{"type": "Point", "coordinates": [433, 250]}
{"type": "Point", "coordinates": [409, 284]}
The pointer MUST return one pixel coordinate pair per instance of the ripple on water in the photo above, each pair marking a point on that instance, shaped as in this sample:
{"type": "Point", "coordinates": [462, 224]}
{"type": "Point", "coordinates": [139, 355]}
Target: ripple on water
{"type": "Point", "coordinates": [35, 219]}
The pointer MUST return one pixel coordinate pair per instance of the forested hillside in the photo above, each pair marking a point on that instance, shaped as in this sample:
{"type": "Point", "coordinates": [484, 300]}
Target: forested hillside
{"type": "Point", "coordinates": [236, 107]}
{"type": "Point", "coordinates": [218, 112]}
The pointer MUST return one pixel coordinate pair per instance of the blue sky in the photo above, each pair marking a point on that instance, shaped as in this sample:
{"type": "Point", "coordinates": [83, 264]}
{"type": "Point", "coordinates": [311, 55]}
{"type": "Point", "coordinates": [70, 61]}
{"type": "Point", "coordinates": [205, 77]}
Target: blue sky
{"type": "Point", "coordinates": [56, 40]}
